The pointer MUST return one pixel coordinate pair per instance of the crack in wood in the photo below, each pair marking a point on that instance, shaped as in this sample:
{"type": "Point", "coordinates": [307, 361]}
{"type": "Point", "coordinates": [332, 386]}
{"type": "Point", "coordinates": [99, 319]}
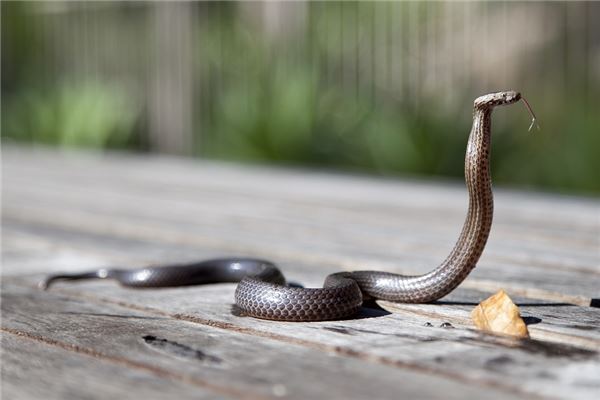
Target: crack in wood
{"type": "Point", "coordinates": [351, 331]}
{"type": "Point", "coordinates": [178, 349]}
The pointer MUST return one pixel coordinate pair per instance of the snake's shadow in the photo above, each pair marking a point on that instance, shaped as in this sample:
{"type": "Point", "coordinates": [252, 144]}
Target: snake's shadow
{"type": "Point", "coordinates": [370, 309]}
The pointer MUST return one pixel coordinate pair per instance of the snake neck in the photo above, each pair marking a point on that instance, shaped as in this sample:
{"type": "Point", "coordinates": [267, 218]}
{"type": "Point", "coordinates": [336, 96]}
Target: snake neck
{"type": "Point", "coordinates": [476, 229]}
{"type": "Point", "coordinates": [478, 222]}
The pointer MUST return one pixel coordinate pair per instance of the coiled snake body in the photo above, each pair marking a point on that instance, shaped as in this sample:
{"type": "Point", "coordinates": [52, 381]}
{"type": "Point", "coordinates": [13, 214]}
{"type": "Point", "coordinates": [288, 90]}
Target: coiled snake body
{"type": "Point", "coordinates": [262, 291]}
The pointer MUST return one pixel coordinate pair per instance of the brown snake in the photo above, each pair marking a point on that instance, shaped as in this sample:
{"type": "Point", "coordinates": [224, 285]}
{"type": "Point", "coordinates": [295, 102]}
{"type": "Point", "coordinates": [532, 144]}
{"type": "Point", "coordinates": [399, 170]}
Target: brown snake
{"type": "Point", "coordinates": [262, 291]}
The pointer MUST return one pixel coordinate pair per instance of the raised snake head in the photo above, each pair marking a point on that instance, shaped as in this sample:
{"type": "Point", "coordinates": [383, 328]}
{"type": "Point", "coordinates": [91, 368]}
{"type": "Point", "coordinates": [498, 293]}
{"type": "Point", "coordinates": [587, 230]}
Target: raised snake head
{"type": "Point", "coordinates": [492, 100]}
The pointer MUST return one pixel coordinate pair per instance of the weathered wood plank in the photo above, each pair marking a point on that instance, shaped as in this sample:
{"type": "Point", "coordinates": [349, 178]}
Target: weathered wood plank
{"type": "Point", "coordinates": [107, 251]}
{"type": "Point", "coordinates": [308, 247]}
{"type": "Point", "coordinates": [51, 249]}
{"type": "Point", "coordinates": [264, 198]}
{"type": "Point", "coordinates": [401, 339]}
{"type": "Point", "coordinates": [151, 178]}
{"type": "Point", "coordinates": [191, 177]}
{"type": "Point", "coordinates": [397, 198]}
{"type": "Point", "coordinates": [225, 361]}
{"type": "Point", "coordinates": [398, 338]}
{"type": "Point", "coordinates": [35, 368]}
{"type": "Point", "coordinates": [99, 249]}
{"type": "Point", "coordinates": [142, 210]}
{"type": "Point", "coordinates": [331, 220]}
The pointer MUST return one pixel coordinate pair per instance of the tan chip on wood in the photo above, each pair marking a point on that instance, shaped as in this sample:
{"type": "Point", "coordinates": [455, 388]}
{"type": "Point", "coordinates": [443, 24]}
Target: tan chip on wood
{"type": "Point", "coordinates": [499, 314]}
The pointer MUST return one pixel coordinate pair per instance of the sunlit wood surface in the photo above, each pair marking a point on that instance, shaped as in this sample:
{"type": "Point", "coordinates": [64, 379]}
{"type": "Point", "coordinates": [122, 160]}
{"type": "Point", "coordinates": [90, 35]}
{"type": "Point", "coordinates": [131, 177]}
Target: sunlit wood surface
{"type": "Point", "coordinates": [73, 212]}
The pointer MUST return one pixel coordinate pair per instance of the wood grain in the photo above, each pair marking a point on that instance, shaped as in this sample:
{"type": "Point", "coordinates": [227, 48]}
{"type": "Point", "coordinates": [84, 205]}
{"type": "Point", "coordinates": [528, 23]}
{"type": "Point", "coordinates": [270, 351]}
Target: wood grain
{"type": "Point", "coordinates": [224, 361]}
{"type": "Point", "coordinates": [34, 368]}
{"type": "Point", "coordinates": [76, 211]}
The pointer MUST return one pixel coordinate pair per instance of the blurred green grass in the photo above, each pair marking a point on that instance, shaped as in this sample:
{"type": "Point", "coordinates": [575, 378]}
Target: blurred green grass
{"type": "Point", "coordinates": [90, 115]}
{"type": "Point", "coordinates": [280, 103]}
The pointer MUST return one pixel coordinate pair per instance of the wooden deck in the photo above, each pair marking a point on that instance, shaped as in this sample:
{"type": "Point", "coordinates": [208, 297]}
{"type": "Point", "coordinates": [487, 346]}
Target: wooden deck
{"type": "Point", "coordinates": [97, 340]}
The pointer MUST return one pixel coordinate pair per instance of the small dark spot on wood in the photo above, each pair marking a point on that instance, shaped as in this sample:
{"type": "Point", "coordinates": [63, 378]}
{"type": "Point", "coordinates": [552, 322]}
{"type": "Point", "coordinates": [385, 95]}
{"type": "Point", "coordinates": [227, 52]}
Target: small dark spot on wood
{"type": "Point", "coordinates": [336, 329]}
{"type": "Point", "coordinates": [500, 361]}
{"type": "Point", "coordinates": [531, 320]}
{"type": "Point", "coordinates": [429, 340]}
{"type": "Point", "coordinates": [584, 327]}
{"type": "Point", "coordinates": [546, 375]}
{"type": "Point", "coordinates": [428, 324]}
{"type": "Point", "coordinates": [446, 325]}
{"type": "Point", "coordinates": [178, 349]}
{"type": "Point", "coordinates": [499, 364]}
{"type": "Point", "coordinates": [348, 351]}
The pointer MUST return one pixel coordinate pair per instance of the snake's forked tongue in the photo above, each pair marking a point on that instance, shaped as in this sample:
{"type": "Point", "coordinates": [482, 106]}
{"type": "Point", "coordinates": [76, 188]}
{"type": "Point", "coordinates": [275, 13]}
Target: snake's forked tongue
{"type": "Point", "coordinates": [532, 114]}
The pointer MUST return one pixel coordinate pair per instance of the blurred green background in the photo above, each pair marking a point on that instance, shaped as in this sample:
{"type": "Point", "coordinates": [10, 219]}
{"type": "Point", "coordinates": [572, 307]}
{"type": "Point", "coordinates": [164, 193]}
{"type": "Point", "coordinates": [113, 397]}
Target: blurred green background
{"type": "Point", "coordinates": [384, 87]}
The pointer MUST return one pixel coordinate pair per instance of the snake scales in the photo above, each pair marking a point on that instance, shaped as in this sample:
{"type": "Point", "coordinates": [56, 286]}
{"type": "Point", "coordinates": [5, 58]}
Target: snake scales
{"type": "Point", "coordinates": [262, 291]}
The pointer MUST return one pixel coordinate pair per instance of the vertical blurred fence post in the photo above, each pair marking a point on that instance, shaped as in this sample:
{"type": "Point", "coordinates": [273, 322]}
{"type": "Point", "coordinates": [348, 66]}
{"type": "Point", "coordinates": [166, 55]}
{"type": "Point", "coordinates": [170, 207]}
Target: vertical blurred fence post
{"type": "Point", "coordinates": [170, 116]}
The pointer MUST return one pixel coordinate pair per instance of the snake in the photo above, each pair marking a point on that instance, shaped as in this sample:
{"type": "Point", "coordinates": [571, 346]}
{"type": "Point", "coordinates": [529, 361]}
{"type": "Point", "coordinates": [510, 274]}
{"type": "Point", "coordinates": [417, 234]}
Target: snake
{"type": "Point", "coordinates": [262, 291]}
